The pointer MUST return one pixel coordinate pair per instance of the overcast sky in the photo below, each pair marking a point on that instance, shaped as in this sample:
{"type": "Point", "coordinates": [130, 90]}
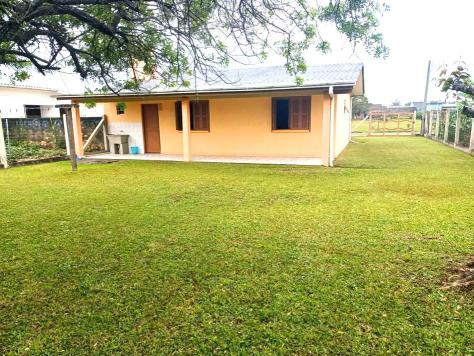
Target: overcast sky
{"type": "Point", "coordinates": [415, 31]}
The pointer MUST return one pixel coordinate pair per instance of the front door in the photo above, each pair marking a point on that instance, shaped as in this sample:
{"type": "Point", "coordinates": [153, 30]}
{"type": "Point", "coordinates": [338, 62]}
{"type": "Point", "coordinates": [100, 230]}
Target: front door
{"type": "Point", "coordinates": [151, 128]}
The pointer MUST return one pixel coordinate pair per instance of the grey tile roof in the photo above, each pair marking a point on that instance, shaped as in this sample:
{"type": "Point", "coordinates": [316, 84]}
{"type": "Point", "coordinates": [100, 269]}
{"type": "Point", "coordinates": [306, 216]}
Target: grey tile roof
{"type": "Point", "coordinates": [277, 76]}
{"type": "Point", "coordinates": [253, 79]}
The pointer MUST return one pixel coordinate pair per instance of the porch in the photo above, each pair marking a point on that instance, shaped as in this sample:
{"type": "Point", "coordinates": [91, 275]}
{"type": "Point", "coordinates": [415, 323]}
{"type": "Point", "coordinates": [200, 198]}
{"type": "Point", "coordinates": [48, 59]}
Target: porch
{"type": "Point", "coordinates": [297, 161]}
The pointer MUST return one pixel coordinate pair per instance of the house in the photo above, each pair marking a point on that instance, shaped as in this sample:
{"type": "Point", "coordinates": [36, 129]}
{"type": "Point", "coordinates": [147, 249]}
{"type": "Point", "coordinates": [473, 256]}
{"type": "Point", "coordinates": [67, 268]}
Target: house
{"type": "Point", "coordinates": [254, 115]}
{"type": "Point", "coordinates": [419, 105]}
{"type": "Point", "coordinates": [31, 102]}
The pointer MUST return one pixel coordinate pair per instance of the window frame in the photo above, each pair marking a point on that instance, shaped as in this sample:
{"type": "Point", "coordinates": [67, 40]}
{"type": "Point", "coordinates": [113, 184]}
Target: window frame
{"type": "Point", "coordinates": [291, 100]}
{"type": "Point", "coordinates": [192, 103]}
{"type": "Point", "coordinates": [30, 108]}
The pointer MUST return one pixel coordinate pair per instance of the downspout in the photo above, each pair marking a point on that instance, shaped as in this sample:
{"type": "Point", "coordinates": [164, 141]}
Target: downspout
{"type": "Point", "coordinates": [331, 127]}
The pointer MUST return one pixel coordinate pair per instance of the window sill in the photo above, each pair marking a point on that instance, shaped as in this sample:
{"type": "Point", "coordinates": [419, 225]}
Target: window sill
{"type": "Point", "coordinates": [200, 131]}
{"type": "Point", "coordinates": [291, 131]}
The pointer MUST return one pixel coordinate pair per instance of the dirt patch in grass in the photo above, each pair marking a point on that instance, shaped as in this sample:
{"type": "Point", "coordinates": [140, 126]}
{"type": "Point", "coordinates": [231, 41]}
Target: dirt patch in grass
{"type": "Point", "coordinates": [462, 277]}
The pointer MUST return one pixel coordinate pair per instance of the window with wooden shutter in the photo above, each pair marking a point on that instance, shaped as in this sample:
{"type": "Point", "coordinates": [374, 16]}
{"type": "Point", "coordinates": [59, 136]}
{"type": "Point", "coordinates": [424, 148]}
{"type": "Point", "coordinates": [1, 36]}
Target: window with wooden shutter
{"type": "Point", "coordinates": [200, 115]}
{"type": "Point", "coordinates": [292, 113]}
{"type": "Point", "coordinates": [178, 116]}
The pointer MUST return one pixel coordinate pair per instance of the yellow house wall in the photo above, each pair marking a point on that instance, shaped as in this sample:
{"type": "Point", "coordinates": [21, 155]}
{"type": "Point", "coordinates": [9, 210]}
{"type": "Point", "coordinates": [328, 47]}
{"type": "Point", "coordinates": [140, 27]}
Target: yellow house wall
{"type": "Point", "coordinates": [238, 127]}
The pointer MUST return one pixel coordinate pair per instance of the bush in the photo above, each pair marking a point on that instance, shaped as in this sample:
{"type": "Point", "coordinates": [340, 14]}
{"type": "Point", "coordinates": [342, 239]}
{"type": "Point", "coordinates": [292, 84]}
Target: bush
{"type": "Point", "coordinates": [22, 151]}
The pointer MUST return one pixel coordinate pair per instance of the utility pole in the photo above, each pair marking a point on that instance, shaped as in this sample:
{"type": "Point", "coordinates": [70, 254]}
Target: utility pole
{"type": "Point", "coordinates": [425, 101]}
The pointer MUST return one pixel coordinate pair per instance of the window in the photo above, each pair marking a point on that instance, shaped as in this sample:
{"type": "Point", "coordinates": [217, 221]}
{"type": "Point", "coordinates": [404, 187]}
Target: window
{"type": "Point", "coordinates": [199, 112]}
{"type": "Point", "coordinates": [178, 115]}
{"type": "Point", "coordinates": [32, 111]}
{"type": "Point", "coordinates": [291, 113]}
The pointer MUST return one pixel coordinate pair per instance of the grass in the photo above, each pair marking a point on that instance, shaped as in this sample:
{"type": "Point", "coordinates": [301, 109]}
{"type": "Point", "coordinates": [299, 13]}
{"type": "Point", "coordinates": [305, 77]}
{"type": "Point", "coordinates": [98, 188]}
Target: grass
{"type": "Point", "coordinates": [161, 257]}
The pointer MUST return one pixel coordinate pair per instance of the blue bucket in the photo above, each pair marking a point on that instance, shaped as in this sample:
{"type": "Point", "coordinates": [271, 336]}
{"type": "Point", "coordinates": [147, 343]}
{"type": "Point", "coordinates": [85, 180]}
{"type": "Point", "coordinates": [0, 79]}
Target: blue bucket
{"type": "Point", "coordinates": [134, 150]}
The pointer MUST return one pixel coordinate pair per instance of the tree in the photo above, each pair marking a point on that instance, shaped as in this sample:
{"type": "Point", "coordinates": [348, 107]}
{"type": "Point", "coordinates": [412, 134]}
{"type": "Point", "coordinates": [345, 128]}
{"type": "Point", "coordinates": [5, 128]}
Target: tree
{"type": "Point", "coordinates": [122, 43]}
{"type": "Point", "coordinates": [459, 81]}
{"type": "Point", "coordinates": [360, 106]}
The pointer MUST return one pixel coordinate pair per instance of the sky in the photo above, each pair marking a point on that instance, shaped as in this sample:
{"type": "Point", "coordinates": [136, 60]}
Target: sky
{"type": "Point", "coordinates": [414, 30]}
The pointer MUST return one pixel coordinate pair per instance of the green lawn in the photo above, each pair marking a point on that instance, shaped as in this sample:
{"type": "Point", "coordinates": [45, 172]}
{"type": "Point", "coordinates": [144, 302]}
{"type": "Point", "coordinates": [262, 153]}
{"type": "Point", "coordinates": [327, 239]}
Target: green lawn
{"type": "Point", "coordinates": [161, 257]}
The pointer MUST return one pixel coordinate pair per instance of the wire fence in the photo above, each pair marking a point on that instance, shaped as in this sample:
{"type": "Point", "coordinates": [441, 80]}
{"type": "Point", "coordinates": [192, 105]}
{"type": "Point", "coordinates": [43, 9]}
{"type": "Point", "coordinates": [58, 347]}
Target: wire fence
{"type": "Point", "coordinates": [451, 127]}
{"type": "Point", "coordinates": [29, 139]}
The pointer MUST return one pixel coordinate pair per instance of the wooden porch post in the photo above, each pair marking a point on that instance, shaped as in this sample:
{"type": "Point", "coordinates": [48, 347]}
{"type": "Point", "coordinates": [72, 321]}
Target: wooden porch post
{"type": "Point", "coordinates": [458, 128]}
{"type": "Point", "coordinates": [76, 124]}
{"type": "Point", "coordinates": [186, 117]}
{"type": "Point", "coordinates": [71, 140]}
{"type": "Point", "coordinates": [446, 125]}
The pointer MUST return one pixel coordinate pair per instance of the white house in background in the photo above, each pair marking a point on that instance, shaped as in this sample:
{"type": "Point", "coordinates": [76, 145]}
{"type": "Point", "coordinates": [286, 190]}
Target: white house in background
{"type": "Point", "coordinates": [22, 102]}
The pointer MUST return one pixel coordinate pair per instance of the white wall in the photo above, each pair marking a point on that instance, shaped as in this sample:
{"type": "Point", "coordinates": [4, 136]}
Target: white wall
{"type": "Point", "coordinates": [343, 123]}
{"type": "Point", "coordinates": [13, 101]}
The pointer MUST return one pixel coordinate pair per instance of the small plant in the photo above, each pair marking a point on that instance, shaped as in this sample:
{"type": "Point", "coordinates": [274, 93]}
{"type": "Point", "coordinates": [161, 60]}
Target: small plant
{"type": "Point", "coordinates": [121, 106]}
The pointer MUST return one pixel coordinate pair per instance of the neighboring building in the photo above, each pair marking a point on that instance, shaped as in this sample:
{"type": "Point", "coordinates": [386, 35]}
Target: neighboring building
{"type": "Point", "coordinates": [377, 107]}
{"type": "Point", "coordinates": [437, 105]}
{"type": "Point", "coordinates": [418, 105]}
{"type": "Point", "coordinates": [257, 112]}
{"type": "Point", "coordinates": [27, 102]}
{"type": "Point", "coordinates": [400, 109]}
{"type": "Point", "coordinates": [391, 109]}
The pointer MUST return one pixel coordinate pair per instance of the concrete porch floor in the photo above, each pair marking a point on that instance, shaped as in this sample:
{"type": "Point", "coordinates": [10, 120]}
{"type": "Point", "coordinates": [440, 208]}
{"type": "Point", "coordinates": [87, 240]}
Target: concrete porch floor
{"type": "Point", "coordinates": [299, 161]}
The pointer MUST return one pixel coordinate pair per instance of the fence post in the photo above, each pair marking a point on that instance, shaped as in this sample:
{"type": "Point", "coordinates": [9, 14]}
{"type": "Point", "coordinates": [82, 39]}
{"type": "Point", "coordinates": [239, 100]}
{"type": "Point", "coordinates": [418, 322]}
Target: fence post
{"type": "Point", "coordinates": [370, 125]}
{"type": "Point", "coordinates": [398, 124]}
{"type": "Point", "coordinates": [384, 123]}
{"type": "Point", "coordinates": [66, 135]}
{"type": "Point", "coordinates": [414, 123]}
{"type": "Point", "coordinates": [458, 128]}
{"type": "Point", "coordinates": [3, 148]}
{"type": "Point", "coordinates": [428, 124]}
{"type": "Point", "coordinates": [471, 141]}
{"type": "Point", "coordinates": [437, 125]}
{"type": "Point", "coordinates": [446, 125]}
{"type": "Point", "coordinates": [7, 127]}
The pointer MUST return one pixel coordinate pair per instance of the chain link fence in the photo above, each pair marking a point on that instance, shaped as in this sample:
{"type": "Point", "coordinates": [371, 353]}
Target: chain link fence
{"type": "Point", "coordinates": [33, 139]}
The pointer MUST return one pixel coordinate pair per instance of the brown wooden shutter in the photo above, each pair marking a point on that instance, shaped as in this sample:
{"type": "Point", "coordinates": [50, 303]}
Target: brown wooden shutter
{"type": "Point", "coordinates": [200, 115]}
{"type": "Point", "coordinates": [178, 115]}
{"type": "Point", "coordinates": [294, 113]}
{"type": "Point", "coordinates": [300, 113]}
{"type": "Point", "coordinates": [305, 112]}
{"type": "Point", "coordinates": [205, 115]}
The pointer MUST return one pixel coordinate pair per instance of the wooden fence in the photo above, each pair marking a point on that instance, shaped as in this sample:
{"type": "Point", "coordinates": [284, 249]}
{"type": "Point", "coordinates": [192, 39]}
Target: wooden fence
{"type": "Point", "coordinates": [380, 123]}
{"type": "Point", "coordinates": [450, 127]}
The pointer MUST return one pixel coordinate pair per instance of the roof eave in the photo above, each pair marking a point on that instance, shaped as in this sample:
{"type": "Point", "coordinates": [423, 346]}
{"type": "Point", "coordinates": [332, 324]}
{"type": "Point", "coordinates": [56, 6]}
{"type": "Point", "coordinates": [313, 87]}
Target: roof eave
{"type": "Point", "coordinates": [338, 88]}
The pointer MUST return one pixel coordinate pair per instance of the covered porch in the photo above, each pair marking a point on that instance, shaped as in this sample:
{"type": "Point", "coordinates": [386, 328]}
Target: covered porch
{"type": "Point", "coordinates": [297, 161]}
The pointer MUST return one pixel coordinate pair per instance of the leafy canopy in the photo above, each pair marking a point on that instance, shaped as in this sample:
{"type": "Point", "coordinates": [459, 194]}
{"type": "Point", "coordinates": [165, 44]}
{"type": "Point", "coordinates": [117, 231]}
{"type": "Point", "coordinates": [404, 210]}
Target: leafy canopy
{"type": "Point", "coordinates": [459, 81]}
{"type": "Point", "coordinates": [121, 44]}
